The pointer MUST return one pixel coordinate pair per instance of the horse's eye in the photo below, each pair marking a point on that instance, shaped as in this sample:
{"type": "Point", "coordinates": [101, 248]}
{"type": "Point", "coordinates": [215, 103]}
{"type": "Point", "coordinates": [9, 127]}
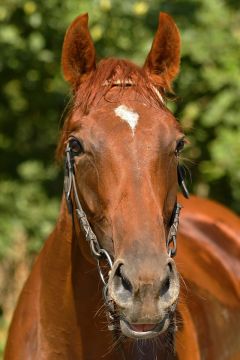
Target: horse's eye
{"type": "Point", "coordinates": [180, 146]}
{"type": "Point", "coordinates": [76, 147]}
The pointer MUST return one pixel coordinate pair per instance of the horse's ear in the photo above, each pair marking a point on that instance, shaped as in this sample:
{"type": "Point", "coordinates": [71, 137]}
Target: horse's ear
{"type": "Point", "coordinates": [78, 53]}
{"type": "Point", "coordinates": [163, 61]}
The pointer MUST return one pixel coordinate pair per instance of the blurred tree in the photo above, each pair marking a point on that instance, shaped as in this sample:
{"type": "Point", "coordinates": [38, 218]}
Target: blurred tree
{"type": "Point", "coordinates": [33, 97]}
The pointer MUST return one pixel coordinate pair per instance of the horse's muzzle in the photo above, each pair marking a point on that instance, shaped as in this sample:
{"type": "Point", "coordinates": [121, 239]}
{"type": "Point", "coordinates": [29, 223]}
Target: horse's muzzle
{"type": "Point", "coordinates": [145, 308]}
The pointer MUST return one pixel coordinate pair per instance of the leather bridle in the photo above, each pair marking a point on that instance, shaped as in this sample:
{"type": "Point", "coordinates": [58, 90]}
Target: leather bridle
{"type": "Point", "coordinates": [97, 251]}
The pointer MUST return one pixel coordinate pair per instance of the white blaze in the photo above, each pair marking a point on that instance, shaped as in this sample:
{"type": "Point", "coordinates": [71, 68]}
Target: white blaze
{"type": "Point", "coordinates": [128, 115]}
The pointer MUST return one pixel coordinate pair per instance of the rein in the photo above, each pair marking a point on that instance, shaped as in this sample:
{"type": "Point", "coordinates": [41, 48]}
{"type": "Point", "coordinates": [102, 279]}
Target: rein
{"type": "Point", "coordinates": [97, 251]}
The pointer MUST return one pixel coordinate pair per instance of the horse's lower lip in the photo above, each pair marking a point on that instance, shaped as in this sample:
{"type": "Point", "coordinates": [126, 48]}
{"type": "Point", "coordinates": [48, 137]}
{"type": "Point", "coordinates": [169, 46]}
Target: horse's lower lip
{"type": "Point", "coordinates": [143, 331]}
{"type": "Point", "coordinates": [142, 327]}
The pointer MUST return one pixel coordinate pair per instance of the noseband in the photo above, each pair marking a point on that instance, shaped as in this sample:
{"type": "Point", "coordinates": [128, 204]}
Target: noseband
{"type": "Point", "coordinates": [97, 251]}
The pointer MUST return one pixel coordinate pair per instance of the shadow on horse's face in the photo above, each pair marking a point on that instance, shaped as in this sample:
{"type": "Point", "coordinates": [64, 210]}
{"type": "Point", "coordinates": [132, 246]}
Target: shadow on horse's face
{"type": "Point", "coordinates": [126, 174]}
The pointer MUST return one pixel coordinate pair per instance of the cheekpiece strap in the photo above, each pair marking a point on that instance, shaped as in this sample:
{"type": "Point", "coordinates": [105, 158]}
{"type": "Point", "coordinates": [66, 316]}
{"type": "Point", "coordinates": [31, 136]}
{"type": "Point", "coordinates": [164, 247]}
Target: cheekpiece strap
{"type": "Point", "coordinates": [172, 235]}
{"type": "Point", "coordinates": [68, 174]}
{"type": "Point", "coordinates": [181, 172]}
{"type": "Point", "coordinates": [69, 186]}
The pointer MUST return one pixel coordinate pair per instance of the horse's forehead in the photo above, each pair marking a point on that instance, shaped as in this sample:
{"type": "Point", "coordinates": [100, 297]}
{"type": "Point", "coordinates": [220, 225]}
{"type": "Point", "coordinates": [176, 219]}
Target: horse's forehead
{"type": "Point", "coordinates": [132, 119]}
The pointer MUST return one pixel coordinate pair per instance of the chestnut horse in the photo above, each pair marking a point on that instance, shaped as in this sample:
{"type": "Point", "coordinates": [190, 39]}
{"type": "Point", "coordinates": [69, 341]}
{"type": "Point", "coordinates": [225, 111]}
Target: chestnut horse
{"type": "Point", "coordinates": [117, 230]}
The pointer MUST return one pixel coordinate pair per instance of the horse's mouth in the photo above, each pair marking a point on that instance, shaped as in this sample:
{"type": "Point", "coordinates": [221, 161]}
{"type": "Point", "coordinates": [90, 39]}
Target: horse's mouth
{"type": "Point", "coordinates": [144, 331]}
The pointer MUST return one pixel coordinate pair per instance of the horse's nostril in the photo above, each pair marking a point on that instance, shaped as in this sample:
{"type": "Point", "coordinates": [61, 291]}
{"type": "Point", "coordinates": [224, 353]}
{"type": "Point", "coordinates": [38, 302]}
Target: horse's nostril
{"type": "Point", "coordinates": [120, 287]}
{"type": "Point", "coordinates": [169, 279]}
{"type": "Point", "coordinates": [164, 286]}
{"type": "Point", "coordinates": [124, 280]}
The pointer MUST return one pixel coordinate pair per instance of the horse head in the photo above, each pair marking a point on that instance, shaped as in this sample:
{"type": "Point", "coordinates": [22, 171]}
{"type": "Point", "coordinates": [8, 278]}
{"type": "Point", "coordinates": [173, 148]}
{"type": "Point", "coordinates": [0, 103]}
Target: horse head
{"type": "Point", "coordinates": [124, 145]}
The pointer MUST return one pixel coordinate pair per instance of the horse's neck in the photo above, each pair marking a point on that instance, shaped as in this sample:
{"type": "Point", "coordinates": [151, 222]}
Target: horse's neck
{"type": "Point", "coordinates": [70, 293]}
{"type": "Point", "coordinates": [63, 265]}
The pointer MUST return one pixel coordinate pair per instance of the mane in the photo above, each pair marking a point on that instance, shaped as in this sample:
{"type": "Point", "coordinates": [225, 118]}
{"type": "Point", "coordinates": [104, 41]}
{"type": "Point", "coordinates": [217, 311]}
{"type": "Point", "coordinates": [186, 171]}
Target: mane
{"type": "Point", "coordinates": [108, 73]}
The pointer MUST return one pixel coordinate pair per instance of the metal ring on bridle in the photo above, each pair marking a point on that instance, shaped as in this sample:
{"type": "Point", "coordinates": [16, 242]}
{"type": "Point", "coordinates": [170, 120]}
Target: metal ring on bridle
{"type": "Point", "coordinates": [95, 249]}
{"type": "Point", "coordinates": [104, 254]}
{"type": "Point", "coordinates": [101, 273]}
{"type": "Point", "coordinates": [107, 257]}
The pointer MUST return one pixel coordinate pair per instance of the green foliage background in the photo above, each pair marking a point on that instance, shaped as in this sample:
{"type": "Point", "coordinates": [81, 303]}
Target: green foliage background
{"type": "Point", "coordinates": [33, 97]}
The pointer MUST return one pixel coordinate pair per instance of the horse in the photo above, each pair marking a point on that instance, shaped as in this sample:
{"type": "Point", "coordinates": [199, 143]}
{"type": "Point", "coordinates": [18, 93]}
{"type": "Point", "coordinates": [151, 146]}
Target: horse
{"type": "Point", "coordinates": [106, 284]}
